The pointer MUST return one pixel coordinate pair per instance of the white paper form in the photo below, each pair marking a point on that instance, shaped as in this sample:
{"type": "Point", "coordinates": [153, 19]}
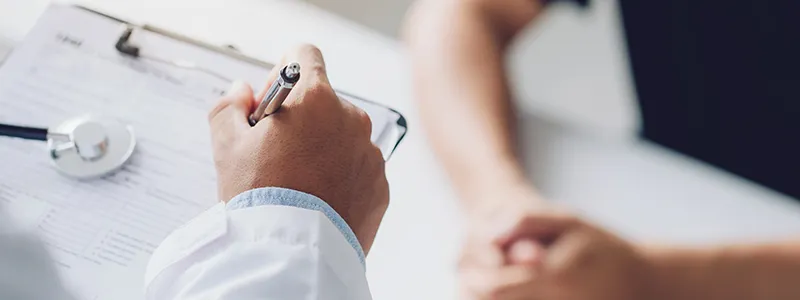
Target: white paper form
{"type": "Point", "coordinates": [102, 232]}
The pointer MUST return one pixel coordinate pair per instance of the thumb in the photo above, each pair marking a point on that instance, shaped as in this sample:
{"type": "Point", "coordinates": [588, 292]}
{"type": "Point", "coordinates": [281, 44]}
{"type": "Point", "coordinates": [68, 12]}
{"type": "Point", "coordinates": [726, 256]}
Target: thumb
{"type": "Point", "coordinates": [229, 116]}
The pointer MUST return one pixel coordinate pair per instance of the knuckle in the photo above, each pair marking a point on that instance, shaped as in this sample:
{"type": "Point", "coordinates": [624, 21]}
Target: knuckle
{"type": "Point", "coordinates": [308, 48]}
{"type": "Point", "coordinates": [318, 90]}
{"type": "Point", "coordinates": [384, 184]}
{"type": "Point", "coordinates": [377, 169]}
{"type": "Point", "coordinates": [377, 155]}
{"type": "Point", "coordinates": [316, 69]}
{"type": "Point", "coordinates": [315, 63]}
{"type": "Point", "coordinates": [364, 118]}
{"type": "Point", "coordinates": [364, 121]}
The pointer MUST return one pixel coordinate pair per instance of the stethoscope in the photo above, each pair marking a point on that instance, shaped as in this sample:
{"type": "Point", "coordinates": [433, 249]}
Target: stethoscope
{"type": "Point", "coordinates": [92, 146]}
{"type": "Point", "coordinates": [84, 147]}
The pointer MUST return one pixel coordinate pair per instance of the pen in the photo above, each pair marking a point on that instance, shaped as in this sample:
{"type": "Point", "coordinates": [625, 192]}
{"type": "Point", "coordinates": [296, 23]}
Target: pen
{"type": "Point", "coordinates": [277, 92]}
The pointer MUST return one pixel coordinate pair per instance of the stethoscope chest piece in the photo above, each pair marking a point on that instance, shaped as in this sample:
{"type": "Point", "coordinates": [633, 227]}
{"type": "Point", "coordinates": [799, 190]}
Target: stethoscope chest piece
{"type": "Point", "coordinates": [89, 147]}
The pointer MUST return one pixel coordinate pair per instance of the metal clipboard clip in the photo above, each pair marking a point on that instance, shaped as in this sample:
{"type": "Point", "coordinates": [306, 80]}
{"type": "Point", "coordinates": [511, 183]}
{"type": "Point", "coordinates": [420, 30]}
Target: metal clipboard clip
{"type": "Point", "coordinates": [126, 45]}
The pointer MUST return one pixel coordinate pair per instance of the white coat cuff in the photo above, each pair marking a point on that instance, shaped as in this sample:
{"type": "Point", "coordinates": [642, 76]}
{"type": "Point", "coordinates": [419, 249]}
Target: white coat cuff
{"type": "Point", "coordinates": [293, 198]}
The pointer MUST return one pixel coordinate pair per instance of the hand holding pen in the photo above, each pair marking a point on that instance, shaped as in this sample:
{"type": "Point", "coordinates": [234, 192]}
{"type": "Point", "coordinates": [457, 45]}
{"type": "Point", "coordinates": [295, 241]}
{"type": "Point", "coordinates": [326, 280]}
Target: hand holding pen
{"type": "Point", "coordinates": [276, 94]}
{"type": "Point", "coordinates": [317, 144]}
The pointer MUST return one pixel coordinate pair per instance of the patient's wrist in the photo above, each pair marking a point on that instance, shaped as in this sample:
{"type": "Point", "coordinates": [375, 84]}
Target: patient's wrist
{"type": "Point", "coordinates": [685, 274]}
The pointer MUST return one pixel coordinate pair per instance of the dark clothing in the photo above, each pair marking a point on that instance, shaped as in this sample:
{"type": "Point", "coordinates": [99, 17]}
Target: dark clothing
{"type": "Point", "coordinates": [720, 81]}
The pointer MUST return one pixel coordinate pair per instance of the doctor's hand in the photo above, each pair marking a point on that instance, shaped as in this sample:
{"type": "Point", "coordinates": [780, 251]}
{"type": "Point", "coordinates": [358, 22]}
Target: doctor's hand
{"type": "Point", "coordinates": [577, 261]}
{"type": "Point", "coordinates": [316, 143]}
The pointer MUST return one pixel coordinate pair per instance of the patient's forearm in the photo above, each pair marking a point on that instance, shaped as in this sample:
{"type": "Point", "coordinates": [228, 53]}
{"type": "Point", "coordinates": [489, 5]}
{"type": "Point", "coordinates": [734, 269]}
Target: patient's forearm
{"type": "Point", "coordinates": [457, 50]}
{"type": "Point", "coordinates": [765, 272]}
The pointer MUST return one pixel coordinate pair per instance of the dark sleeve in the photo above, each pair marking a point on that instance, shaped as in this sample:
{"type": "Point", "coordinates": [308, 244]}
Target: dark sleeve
{"type": "Point", "coordinates": [582, 3]}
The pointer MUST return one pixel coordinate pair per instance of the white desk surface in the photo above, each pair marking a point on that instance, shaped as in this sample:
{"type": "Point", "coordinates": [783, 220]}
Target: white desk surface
{"type": "Point", "coordinates": [640, 190]}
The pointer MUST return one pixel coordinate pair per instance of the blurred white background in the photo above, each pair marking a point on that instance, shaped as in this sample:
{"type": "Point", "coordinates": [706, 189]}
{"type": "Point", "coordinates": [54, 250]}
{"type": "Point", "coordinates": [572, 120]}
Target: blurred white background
{"type": "Point", "coordinates": [571, 67]}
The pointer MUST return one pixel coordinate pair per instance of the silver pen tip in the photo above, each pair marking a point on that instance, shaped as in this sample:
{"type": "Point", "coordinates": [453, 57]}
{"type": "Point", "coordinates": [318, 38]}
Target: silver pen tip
{"type": "Point", "coordinates": [292, 70]}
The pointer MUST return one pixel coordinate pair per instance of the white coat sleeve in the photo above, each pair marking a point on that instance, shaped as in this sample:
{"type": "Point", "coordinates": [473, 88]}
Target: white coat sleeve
{"type": "Point", "coordinates": [269, 243]}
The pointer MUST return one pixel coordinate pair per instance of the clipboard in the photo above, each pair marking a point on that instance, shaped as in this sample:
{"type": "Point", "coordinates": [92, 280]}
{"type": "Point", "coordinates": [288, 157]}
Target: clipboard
{"type": "Point", "coordinates": [101, 232]}
{"type": "Point", "coordinates": [387, 144]}
{"type": "Point", "coordinates": [387, 141]}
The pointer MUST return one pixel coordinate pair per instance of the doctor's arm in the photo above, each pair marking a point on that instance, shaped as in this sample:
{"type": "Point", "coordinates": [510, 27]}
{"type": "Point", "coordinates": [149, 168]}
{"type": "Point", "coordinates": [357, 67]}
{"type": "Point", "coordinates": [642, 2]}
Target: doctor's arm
{"type": "Point", "coordinates": [303, 193]}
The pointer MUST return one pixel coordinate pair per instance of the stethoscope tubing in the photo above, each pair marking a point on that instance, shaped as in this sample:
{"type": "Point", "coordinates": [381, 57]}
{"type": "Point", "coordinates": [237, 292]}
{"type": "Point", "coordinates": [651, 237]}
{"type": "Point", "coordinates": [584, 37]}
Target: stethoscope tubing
{"type": "Point", "coordinates": [23, 132]}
